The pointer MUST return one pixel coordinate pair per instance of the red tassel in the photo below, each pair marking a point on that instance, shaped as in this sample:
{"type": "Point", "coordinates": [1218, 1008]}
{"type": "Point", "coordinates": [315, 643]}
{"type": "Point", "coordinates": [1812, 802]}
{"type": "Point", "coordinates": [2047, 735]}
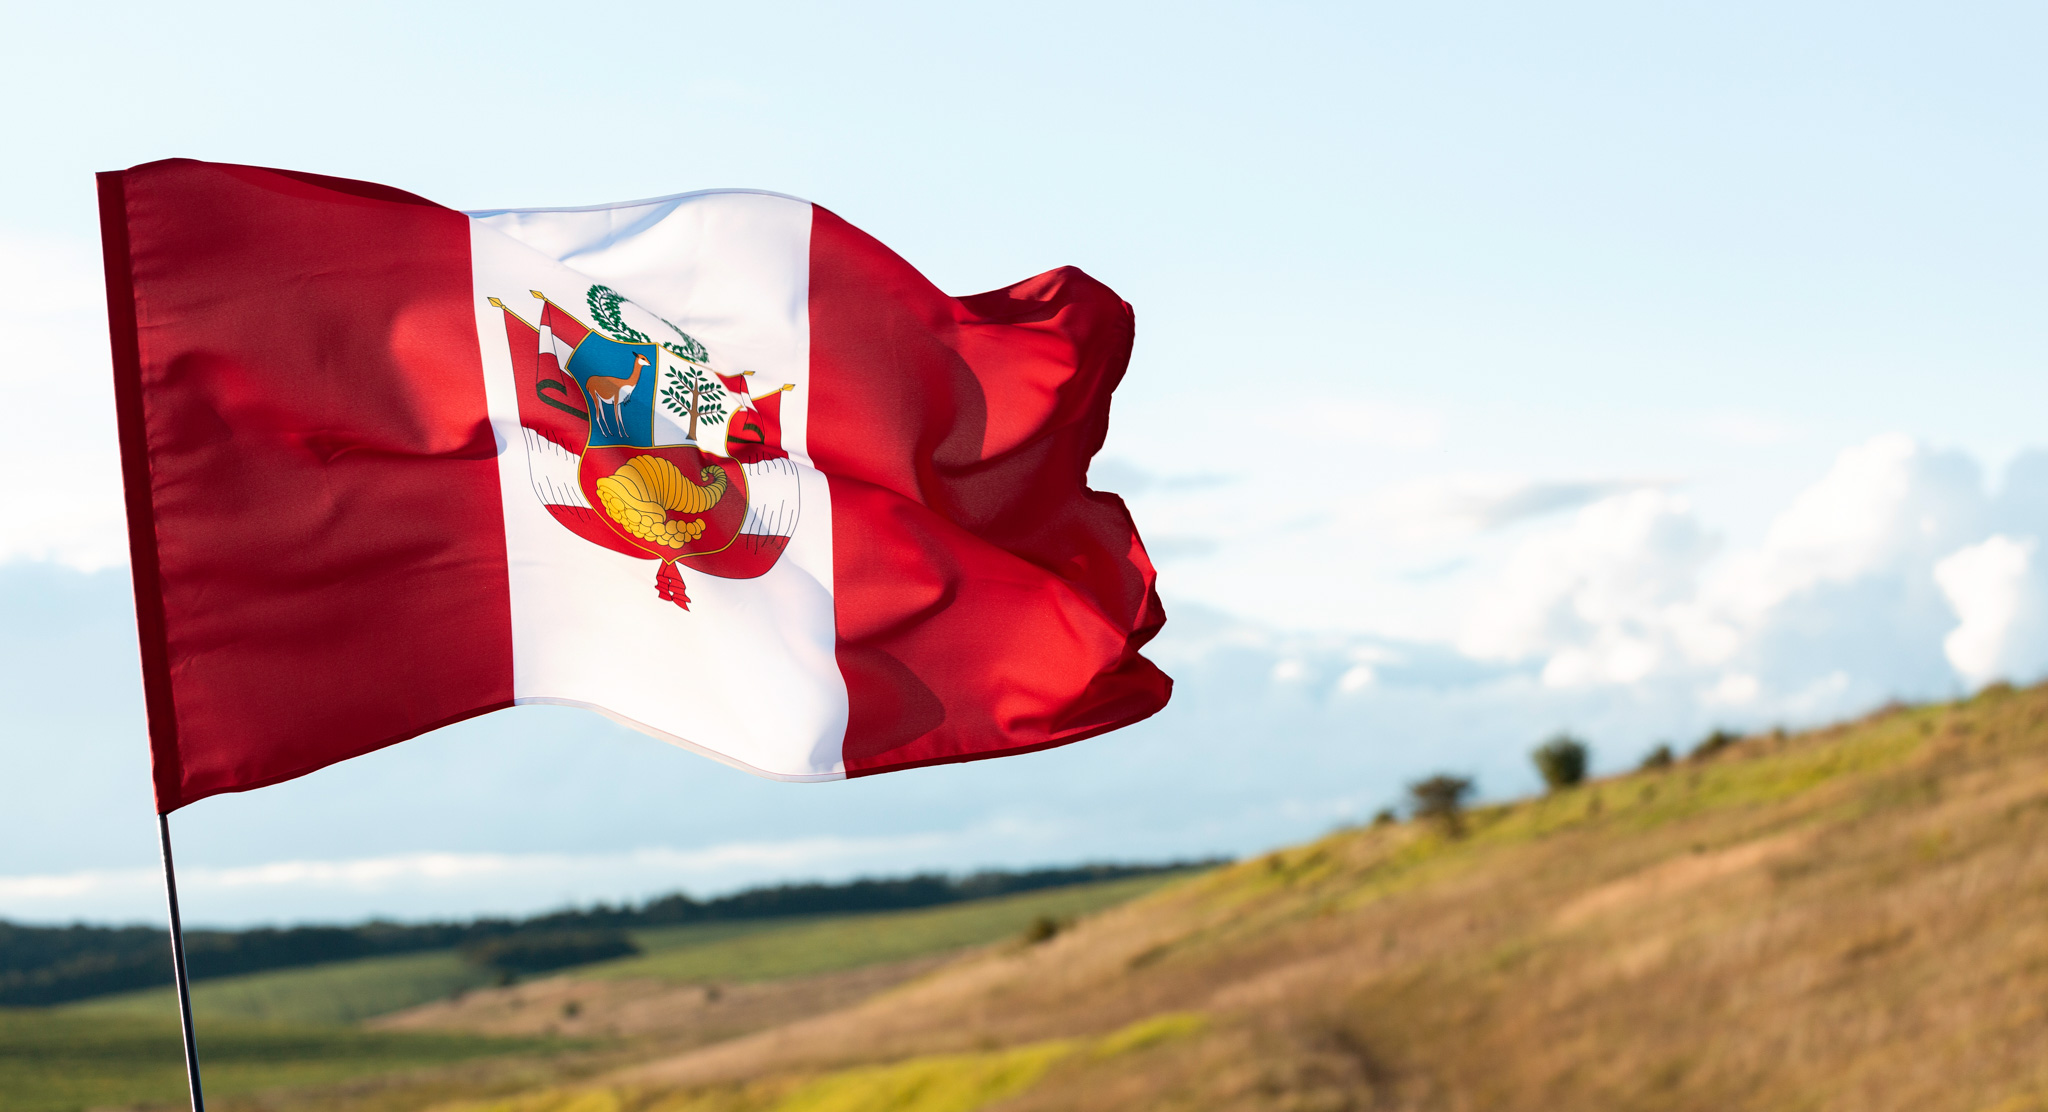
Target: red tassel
{"type": "Point", "coordinates": [668, 583]}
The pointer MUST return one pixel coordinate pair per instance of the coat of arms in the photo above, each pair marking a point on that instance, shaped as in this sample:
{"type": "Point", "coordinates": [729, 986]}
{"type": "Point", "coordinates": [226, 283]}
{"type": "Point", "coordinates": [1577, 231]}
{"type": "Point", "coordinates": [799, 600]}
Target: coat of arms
{"type": "Point", "coordinates": [636, 443]}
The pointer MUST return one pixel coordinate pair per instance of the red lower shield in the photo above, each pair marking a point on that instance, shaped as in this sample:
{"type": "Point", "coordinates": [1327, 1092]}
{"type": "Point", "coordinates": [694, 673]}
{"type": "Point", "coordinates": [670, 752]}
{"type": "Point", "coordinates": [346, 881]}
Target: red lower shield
{"type": "Point", "coordinates": [670, 502]}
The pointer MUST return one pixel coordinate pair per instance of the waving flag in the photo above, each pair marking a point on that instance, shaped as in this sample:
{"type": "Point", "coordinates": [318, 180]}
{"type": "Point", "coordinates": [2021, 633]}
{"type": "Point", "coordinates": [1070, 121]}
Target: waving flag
{"type": "Point", "coordinates": [718, 465]}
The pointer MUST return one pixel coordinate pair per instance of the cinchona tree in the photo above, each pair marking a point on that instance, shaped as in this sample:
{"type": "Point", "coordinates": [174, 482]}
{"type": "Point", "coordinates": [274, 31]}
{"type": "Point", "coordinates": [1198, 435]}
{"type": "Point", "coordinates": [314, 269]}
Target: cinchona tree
{"type": "Point", "coordinates": [695, 395]}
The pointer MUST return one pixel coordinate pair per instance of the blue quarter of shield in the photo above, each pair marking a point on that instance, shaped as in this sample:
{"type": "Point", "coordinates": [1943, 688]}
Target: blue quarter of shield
{"type": "Point", "coordinates": [621, 406]}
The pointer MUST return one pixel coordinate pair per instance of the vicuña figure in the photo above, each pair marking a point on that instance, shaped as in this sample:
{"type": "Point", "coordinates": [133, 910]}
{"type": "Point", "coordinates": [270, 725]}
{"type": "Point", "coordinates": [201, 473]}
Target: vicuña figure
{"type": "Point", "coordinates": [609, 390]}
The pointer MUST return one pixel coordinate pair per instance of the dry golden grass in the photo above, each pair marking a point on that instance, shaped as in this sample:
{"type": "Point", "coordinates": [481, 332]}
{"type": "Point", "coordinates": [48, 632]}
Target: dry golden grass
{"type": "Point", "coordinates": [1856, 918]}
{"type": "Point", "coordinates": [689, 1014]}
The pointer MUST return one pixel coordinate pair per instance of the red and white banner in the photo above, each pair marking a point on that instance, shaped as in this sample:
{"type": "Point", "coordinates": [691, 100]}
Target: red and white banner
{"type": "Point", "coordinates": [717, 465]}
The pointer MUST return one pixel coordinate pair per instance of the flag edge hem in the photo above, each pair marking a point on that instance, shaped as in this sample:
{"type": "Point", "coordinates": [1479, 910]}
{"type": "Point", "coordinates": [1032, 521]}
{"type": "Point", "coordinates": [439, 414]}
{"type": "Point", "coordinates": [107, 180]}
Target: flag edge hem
{"type": "Point", "coordinates": [484, 213]}
{"type": "Point", "coordinates": [684, 743]}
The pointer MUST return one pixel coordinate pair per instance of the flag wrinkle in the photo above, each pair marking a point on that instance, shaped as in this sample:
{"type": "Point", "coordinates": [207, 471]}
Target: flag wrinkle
{"type": "Point", "coordinates": [1036, 644]}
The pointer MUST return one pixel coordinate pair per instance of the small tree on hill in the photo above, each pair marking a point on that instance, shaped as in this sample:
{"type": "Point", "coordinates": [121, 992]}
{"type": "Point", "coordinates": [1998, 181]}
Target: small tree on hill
{"type": "Point", "coordinates": [1658, 758]}
{"type": "Point", "coordinates": [1713, 744]}
{"type": "Point", "coordinates": [1441, 800]}
{"type": "Point", "coordinates": [1042, 929]}
{"type": "Point", "coordinates": [1561, 761]}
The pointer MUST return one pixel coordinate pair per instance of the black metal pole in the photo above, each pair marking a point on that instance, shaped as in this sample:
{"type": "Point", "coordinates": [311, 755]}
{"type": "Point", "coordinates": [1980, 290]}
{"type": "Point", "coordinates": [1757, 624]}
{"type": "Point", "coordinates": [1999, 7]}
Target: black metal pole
{"type": "Point", "coordinates": [163, 833]}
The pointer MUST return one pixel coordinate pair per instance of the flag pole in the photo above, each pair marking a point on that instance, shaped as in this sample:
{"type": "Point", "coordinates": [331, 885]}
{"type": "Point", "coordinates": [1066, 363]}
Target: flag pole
{"type": "Point", "coordinates": [163, 833]}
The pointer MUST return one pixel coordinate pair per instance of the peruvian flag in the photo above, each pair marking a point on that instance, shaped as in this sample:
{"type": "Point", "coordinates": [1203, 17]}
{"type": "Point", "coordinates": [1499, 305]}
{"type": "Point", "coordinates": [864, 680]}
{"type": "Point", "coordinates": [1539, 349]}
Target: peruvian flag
{"type": "Point", "coordinates": [718, 465]}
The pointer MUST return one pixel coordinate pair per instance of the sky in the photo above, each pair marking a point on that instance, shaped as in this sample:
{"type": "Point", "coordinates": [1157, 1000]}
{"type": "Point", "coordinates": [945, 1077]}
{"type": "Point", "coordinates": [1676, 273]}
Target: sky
{"type": "Point", "coordinates": [1632, 370]}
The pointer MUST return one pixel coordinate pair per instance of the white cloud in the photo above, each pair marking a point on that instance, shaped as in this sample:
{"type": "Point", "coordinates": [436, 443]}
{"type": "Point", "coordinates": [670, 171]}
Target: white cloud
{"type": "Point", "coordinates": [1838, 601]}
{"type": "Point", "coordinates": [60, 478]}
{"type": "Point", "coordinates": [1886, 506]}
{"type": "Point", "coordinates": [1992, 586]}
{"type": "Point", "coordinates": [1598, 584]}
{"type": "Point", "coordinates": [1609, 597]}
{"type": "Point", "coordinates": [426, 884]}
{"type": "Point", "coordinates": [1733, 690]}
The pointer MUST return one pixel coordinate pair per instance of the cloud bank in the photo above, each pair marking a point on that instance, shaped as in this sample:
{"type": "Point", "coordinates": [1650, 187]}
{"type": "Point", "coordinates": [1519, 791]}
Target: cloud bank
{"type": "Point", "coordinates": [1897, 573]}
{"type": "Point", "coordinates": [1332, 639]}
{"type": "Point", "coordinates": [1618, 613]}
{"type": "Point", "coordinates": [454, 885]}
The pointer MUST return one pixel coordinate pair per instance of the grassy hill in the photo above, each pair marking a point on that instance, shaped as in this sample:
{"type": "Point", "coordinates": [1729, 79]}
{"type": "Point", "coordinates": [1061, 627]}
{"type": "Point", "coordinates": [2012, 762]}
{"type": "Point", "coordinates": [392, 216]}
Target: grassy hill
{"type": "Point", "coordinates": [850, 941]}
{"type": "Point", "coordinates": [1852, 918]}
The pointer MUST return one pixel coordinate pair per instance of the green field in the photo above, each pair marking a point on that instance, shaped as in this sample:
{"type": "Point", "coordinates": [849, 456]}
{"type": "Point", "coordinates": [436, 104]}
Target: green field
{"type": "Point", "coordinates": [293, 1027]}
{"type": "Point", "coordinates": [743, 950]}
{"type": "Point", "coordinates": [786, 948]}
{"type": "Point", "coordinates": [60, 1060]}
{"type": "Point", "coordinates": [339, 993]}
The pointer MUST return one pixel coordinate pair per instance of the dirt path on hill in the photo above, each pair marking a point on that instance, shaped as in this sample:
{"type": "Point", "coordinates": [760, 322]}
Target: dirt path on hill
{"type": "Point", "coordinates": [693, 1014]}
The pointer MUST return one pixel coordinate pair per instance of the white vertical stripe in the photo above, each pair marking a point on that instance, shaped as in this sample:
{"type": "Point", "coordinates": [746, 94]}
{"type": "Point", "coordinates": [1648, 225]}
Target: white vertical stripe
{"type": "Point", "coordinates": [747, 675]}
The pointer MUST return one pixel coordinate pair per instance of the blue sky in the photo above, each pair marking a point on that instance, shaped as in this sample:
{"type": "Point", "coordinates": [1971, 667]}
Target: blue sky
{"type": "Point", "coordinates": [1629, 369]}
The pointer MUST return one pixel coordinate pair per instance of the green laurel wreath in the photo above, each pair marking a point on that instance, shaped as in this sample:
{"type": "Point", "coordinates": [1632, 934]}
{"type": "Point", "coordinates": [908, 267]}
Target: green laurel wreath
{"type": "Point", "coordinates": [604, 309]}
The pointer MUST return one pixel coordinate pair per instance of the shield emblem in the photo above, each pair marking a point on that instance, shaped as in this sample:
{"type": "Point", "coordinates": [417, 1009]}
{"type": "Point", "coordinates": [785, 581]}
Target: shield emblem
{"type": "Point", "coordinates": [649, 479]}
{"type": "Point", "coordinates": [669, 501]}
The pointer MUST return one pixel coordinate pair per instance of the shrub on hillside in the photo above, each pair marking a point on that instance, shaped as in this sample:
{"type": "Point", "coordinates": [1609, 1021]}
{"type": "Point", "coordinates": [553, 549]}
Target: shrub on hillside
{"type": "Point", "coordinates": [1441, 800]}
{"type": "Point", "coordinates": [1042, 929]}
{"type": "Point", "coordinates": [521, 954]}
{"type": "Point", "coordinates": [1658, 758]}
{"type": "Point", "coordinates": [1561, 761]}
{"type": "Point", "coordinates": [1713, 744]}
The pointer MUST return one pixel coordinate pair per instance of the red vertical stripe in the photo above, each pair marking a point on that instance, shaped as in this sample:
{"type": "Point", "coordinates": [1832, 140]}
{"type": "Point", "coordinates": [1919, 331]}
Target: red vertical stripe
{"type": "Point", "coordinates": [987, 601]}
{"type": "Point", "coordinates": [312, 478]}
{"type": "Point", "coordinates": [148, 585]}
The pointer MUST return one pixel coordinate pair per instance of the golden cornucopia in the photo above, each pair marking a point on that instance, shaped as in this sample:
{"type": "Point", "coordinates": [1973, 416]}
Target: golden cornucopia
{"type": "Point", "coordinates": [641, 494]}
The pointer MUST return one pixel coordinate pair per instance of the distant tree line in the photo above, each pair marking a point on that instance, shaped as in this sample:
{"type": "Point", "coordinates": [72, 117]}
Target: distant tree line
{"type": "Point", "coordinates": [51, 965]}
{"type": "Point", "coordinates": [516, 955]}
